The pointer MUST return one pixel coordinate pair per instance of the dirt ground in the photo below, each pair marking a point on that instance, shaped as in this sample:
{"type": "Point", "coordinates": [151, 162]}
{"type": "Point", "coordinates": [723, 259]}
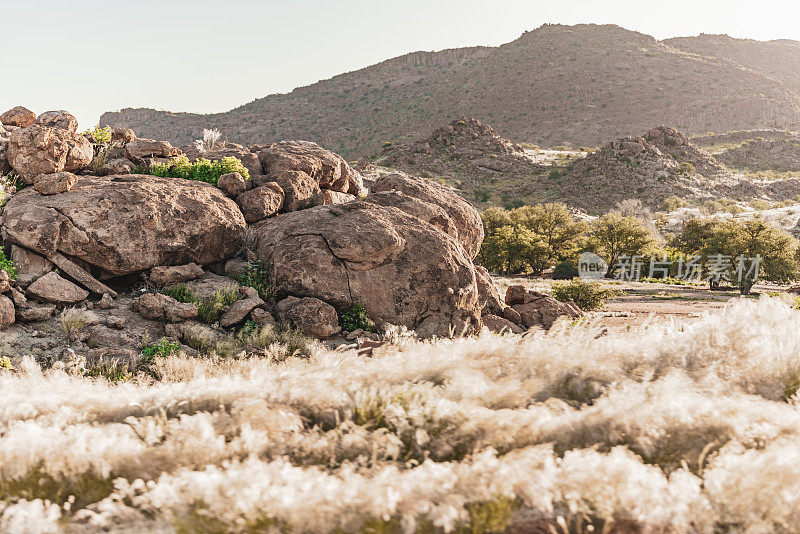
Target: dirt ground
{"type": "Point", "coordinates": [648, 303]}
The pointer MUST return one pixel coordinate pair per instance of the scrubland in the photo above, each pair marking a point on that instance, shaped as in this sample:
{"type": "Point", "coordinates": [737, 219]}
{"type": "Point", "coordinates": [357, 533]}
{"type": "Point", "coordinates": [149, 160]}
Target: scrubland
{"type": "Point", "coordinates": [668, 428]}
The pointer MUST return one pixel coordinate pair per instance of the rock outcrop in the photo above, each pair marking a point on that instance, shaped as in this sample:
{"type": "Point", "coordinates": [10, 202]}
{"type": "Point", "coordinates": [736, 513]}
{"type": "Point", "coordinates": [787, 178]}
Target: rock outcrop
{"type": "Point", "coordinates": [402, 270]}
{"type": "Point", "coordinates": [18, 116]}
{"type": "Point", "coordinates": [39, 150]}
{"type": "Point", "coordinates": [467, 220]}
{"type": "Point", "coordinates": [126, 224]}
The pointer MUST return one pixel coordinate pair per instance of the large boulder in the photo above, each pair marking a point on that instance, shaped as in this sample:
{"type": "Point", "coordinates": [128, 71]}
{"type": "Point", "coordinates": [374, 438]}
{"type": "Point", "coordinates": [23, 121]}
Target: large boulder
{"type": "Point", "coordinates": [261, 202]}
{"type": "Point", "coordinates": [328, 169]}
{"type": "Point", "coordinates": [430, 213]}
{"type": "Point", "coordinates": [300, 191]}
{"type": "Point", "coordinates": [401, 269]}
{"type": "Point", "coordinates": [5, 167]}
{"type": "Point", "coordinates": [57, 119]}
{"type": "Point", "coordinates": [39, 150]}
{"type": "Point", "coordinates": [119, 225]}
{"type": "Point", "coordinates": [53, 184]}
{"type": "Point", "coordinates": [466, 218]}
{"type": "Point", "coordinates": [18, 116]}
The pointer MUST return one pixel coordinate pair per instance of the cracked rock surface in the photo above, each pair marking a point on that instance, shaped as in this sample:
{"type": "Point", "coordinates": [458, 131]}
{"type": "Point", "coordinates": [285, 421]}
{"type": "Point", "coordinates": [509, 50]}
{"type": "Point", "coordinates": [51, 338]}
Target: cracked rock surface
{"type": "Point", "coordinates": [118, 225]}
{"type": "Point", "coordinates": [403, 270]}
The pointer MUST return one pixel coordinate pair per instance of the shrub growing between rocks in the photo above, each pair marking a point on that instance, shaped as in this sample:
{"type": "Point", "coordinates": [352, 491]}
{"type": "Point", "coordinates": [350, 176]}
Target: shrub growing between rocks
{"type": "Point", "coordinates": [7, 265]}
{"type": "Point", "coordinates": [355, 318]}
{"type": "Point", "coordinates": [202, 169]}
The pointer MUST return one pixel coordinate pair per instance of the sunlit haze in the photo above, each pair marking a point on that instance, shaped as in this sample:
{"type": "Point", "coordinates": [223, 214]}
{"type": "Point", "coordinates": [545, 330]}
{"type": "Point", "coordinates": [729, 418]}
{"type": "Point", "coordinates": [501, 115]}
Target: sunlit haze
{"type": "Point", "coordinates": [202, 56]}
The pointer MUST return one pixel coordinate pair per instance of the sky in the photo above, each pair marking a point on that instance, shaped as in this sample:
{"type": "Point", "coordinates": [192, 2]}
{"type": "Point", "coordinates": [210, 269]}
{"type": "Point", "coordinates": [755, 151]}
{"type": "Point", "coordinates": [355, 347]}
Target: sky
{"type": "Point", "coordinates": [89, 56]}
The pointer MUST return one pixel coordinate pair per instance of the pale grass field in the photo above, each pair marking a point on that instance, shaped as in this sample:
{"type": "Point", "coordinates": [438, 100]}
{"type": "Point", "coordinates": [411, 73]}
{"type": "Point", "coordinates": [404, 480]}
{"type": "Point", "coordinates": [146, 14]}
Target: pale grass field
{"type": "Point", "coordinates": [672, 428]}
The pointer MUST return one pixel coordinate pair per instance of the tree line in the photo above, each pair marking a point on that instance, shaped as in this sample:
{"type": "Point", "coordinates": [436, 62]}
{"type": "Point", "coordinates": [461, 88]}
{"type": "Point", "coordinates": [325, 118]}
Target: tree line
{"type": "Point", "coordinates": [532, 239]}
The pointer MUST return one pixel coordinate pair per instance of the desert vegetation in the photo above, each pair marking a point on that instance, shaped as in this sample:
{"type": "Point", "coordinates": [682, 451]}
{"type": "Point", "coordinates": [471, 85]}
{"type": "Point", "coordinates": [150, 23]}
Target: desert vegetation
{"type": "Point", "coordinates": [680, 429]}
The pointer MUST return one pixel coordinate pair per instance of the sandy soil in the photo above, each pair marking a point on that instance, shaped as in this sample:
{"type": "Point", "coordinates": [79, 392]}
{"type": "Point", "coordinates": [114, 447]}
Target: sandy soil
{"type": "Point", "coordinates": [648, 303]}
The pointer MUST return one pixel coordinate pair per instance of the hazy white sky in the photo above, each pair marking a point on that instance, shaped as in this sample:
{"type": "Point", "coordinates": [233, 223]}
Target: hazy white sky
{"type": "Point", "coordinates": [91, 56]}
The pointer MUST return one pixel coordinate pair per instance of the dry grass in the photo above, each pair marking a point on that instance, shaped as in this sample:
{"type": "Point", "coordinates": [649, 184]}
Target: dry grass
{"type": "Point", "coordinates": [670, 429]}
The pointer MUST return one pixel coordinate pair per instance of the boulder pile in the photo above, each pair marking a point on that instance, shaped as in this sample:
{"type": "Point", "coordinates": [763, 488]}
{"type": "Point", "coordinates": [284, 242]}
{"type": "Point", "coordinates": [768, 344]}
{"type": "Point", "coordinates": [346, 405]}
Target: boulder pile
{"type": "Point", "coordinates": [300, 242]}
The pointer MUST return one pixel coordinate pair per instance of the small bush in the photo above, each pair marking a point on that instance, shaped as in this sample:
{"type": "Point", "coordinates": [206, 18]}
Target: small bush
{"type": "Point", "coordinates": [565, 271]}
{"type": "Point", "coordinates": [100, 135]}
{"type": "Point", "coordinates": [73, 321]}
{"type": "Point", "coordinates": [356, 318]}
{"type": "Point", "coordinates": [202, 169]}
{"type": "Point", "coordinates": [482, 194]}
{"type": "Point", "coordinates": [160, 349]}
{"type": "Point", "coordinates": [586, 295]}
{"type": "Point", "coordinates": [254, 274]}
{"type": "Point", "coordinates": [7, 265]}
{"type": "Point", "coordinates": [5, 363]}
{"type": "Point", "coordinates": [111, 371]}
{"type": "Point", "coordinates": [554, 174]}
{"type": "Point", "coordinates": [209, 310]}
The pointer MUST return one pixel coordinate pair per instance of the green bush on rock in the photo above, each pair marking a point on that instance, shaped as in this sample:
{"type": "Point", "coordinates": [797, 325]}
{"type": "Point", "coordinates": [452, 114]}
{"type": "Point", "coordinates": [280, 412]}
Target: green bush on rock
{"type": "Point", "coordinates": [202, 169]}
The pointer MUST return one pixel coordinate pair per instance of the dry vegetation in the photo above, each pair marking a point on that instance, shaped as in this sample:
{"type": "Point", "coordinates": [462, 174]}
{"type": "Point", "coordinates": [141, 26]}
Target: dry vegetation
{"type": "Point", "coordinates": [672, 428]}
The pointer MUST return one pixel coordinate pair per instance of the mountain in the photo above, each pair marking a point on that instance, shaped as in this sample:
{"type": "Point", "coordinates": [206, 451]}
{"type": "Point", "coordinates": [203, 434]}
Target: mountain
{"type": "Point", "coordinates": [578, 85]}
{"type": "Point", "coordinates": [778, 59]}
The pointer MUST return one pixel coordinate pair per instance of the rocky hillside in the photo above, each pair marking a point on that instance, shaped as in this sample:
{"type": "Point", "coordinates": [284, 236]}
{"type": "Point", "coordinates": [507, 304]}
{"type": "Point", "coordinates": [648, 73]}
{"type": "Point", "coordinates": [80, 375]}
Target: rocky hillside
{"type": "Point", "coordinates": [778, 59]}
{"type": "Point", "coordinates": [780, 155]}
{"type": "Point", "coordinates": [557, 84]}
{"type": "Point", "coordinates": [117, 239]}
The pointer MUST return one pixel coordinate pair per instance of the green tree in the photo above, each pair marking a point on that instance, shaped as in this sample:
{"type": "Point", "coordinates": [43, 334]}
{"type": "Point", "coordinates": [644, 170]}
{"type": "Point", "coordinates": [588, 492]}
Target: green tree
{"type": "Point", "coordinates": [614, 235]}
{"type": "Point", "coordinates": [746, 239]}
{"type": "Point", "coordinates": [554, 225]}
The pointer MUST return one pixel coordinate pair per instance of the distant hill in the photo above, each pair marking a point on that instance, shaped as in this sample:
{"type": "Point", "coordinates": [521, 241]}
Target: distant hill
{"type": "Point", "coordinates": [555, 85]}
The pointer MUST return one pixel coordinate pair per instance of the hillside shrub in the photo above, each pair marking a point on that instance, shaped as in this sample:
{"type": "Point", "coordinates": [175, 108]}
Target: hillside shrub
{"type": "Point", "coordinates": [160, 349]}
{"type": "Point", "coordinates": [210, 309]}
{"type": "Point", "coordinates": [254, 274]}
{"type": "Point", "coordinates": [587, 296]}
{"type": "Point", "coordinates": [202, 169]}
{"type": "Point", "coordinates": [565, 270]}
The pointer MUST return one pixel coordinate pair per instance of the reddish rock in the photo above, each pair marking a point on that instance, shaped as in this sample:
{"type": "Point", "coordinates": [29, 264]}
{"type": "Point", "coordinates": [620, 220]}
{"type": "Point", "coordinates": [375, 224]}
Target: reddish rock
{"type": "Point", "coordinates": [500, 325]}
{"type": "Point", "coordinates": [167, 276]}
{"type": "Point", "coordinates": [233, 184]}
{"type": "Point", "coordinates": [465, 217]}
{"type": "Point", "coordinates": [18, 116]}
{"type": "Point", "coordinates": [401, 269]}
{"type": "Point", "coordinates": [488, 295]}
{"type": "Point", "coordinates": [238, 311]}
{"type": "Point", "coordinates": [430, 213]}
{"type": "Point", "coordinates": [328, 170]}
{"type": "Point", "coordinates": [39, 150]}
{"type": "Point", "coordinates": [123, 225]}
{"type": "Point", "coordinates": [261, 202]}
{"type": "Point", "coordinates": [311, 316]}
{"type": "Point", "coordinates": [515, 295]}
{"type": "Point", "coordinates": [139, 149]}
{"type": "Point", "coordinates": [53, 184]}
{"type": "Point", "coordinates": [63, 120]}
{"type": "Point", "coordinates": [54, 289]}
{"type": "Point", "coordinates": [7, 312]}
{"type": "Point", "coordinates": [300, 191]}
{"type": "Point", "coordinates": [334, 197]}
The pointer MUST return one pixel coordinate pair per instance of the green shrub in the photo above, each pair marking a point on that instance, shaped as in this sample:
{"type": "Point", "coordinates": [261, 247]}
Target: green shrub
{"type": "Point", "coordinates": [111, 371]}
{"type": "Point", "coordinates": [202, 169]}
{"type": "Point", "coordinates": [160, 349]}
{"type": "Point", "coordinates": [210, 309]}
{"type": "Point", "coordinates": [356, 318]}
{"type": "Point", "coordinates": [100, 135]}
{"type": "Point", "coordinates": [586, 295]}
{"type": "Point", "coordinates": [554, 174]}
{"type": "Point", "coordinates": [565, 270]}
{"type": "Point", "coordinates": [254, 274]}
{"type": "Point", "coordinates": [7, 265]}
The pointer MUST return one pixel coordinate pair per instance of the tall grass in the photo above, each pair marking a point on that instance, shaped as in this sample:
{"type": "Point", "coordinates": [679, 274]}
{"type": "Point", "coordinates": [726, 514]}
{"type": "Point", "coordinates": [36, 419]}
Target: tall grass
{"type": "Point", "coordinates": [668, 429]}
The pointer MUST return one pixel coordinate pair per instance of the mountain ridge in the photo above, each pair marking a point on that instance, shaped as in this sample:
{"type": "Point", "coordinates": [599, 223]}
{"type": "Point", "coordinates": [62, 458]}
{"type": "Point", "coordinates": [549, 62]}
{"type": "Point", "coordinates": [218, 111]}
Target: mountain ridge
{"type": "Point", "coordinates": [553, 85]}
